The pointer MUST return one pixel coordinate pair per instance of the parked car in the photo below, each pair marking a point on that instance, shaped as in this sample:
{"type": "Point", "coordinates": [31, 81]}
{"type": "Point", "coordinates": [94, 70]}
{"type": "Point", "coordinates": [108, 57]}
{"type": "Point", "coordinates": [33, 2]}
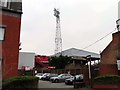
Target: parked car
{"type": "Point", "coordinates": [69, 81]}
{"type": "Point", "coordinates": [48, 76]}
{"type": "Point", "coordinates": [39, 75]}
{"type": "Point", "coordinates": [60, 78]}
{"type": "Point", "coordinates": [76, 78]}
{"type": "Point", "coordinates": [44, 76]}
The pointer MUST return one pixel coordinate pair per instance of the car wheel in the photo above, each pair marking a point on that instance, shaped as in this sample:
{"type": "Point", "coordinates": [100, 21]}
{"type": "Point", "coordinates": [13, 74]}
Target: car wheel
{"type": "Point", "coordinates": [66, 83]}
{"type": "Point", "coordinates": [52, 81]}
{"type": "Point", "coordinates": [56, 80]}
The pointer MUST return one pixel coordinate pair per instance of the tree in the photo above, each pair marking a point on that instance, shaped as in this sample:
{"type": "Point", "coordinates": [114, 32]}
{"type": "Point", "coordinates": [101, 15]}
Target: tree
{"type": "Point", "coordinates": [60, 62]}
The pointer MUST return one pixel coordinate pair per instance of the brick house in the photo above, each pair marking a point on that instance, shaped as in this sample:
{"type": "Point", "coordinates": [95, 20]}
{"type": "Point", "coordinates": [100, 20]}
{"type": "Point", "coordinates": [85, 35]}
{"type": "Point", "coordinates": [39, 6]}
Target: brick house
{"type": "Point", "coordinates": [110, 55]}
{"type": "Point", "coordinates": [10, 13]}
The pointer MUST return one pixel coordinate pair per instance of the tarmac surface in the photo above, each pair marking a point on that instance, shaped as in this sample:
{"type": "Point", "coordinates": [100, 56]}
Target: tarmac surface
{"type": "Point", "coordinates": [47, 85]}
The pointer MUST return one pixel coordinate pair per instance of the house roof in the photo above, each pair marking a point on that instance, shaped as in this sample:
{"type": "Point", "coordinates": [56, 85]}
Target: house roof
{"type": "Point", "coordinates": [78, 52]}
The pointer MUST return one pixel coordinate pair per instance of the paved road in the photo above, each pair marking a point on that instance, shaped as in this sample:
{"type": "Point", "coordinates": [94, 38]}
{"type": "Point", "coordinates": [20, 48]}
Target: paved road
{"type": "Point", "coordinates": [47, 84]}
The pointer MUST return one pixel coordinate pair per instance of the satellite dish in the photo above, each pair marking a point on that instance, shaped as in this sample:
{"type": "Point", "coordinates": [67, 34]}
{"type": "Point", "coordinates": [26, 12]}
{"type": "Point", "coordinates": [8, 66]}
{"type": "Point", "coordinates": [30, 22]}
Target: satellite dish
{"type": "Point", "coordinates": [118, 24]}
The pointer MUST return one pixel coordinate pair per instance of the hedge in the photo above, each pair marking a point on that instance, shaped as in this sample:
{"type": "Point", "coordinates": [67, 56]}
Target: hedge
{"type": "Point", "coordinates": [107, 80]}
{"type": "Point", "coordinates": [21, 82]}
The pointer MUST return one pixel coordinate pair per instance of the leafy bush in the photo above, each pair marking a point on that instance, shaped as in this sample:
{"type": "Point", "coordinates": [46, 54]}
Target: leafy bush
{"type": "Point", "coordinates": [21, 82]}
{"type": "Point", "coordinates": [107, 80]}
{"type": "Point", "coordinates": [26, 73]}
{"type": "Point", "coordinates": [60, 62]}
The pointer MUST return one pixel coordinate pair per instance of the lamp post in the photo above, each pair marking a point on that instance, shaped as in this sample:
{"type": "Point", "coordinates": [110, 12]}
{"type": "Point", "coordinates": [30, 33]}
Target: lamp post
{"type": "Point", "coordinates": [89, 68]}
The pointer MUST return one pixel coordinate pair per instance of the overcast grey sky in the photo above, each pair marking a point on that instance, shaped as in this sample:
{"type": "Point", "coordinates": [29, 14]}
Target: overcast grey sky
{"type": "Point", "coordinates": [82, 23]}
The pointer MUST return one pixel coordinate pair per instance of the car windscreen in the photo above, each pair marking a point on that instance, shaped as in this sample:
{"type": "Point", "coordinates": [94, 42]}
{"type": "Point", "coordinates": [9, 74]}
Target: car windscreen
{"type": "Point", "coordinates": [60, 75]}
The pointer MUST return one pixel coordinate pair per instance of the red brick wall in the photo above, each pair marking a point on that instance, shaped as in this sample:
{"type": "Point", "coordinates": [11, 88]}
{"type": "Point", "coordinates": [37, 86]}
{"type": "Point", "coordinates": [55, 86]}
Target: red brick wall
{"type": "Point", "coordinates": [110, 55]}
{"type": "Point", "coordinates": [108, 69]}
{"type": "Point", "coordinates": [86, 75]}
{"type": "Point", "coordinates": [118, 72]}
{"type": "Point", "coordinates": [106, 87]}
{"type": "Point", "coordinates": [10, 47]}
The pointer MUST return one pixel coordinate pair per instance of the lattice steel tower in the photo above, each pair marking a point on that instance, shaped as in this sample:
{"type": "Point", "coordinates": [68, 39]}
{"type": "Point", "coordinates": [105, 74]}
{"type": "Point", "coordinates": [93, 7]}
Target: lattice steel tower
{"type": "Point", "coordinates": [58, 39]}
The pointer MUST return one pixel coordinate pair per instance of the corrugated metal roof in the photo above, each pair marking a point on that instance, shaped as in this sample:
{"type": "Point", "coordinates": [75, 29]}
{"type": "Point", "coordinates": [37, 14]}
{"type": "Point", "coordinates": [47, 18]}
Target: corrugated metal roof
{"type": "Point", "coordinates": [78, 52]}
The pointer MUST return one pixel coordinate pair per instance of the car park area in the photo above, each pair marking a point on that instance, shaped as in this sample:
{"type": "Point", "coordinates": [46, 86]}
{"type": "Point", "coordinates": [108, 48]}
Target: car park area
{"type": "Point", "coordinates": [59, 81]}
{"type": "Point", "coordinates": [47, 84]}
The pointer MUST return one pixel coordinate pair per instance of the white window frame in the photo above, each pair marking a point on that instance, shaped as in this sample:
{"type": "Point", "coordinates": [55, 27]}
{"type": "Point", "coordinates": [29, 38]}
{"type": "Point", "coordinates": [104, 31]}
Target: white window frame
{"type": "Point", "coordinates": [2, 33]}
{"type": "Point", "coordinates": [118, 64]}
{"type": "Point", "coordinates": [3, 3]}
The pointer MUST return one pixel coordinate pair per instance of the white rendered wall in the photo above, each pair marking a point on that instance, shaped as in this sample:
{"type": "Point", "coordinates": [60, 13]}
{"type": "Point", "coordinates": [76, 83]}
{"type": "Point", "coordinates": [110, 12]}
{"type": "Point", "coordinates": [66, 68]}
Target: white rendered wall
{"type": "Point", "coordinates": [26, 59]}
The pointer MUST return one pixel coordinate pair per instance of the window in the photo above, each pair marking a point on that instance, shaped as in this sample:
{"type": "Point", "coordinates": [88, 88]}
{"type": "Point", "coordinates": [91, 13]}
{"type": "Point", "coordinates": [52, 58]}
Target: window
{"type": "Point", "coordinates": [3, 3]}
{"type": "Point", "coordinates": [2, 32]}
{"type": "Point", "coordinates": [118, 64]}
